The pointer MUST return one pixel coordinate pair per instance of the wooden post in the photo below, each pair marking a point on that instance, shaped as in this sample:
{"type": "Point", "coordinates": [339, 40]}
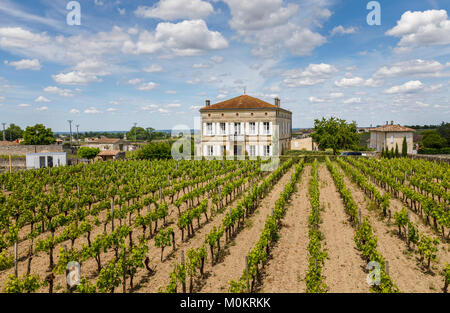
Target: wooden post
{"type": "Point", "coordinates": [112, 214]}
{"type": "Point", "coordinates": [10, 164]}
{"type": "Point", "coordinates": [15, 259]}
{"type": "Point", "coordinates": [360, 217]}
{"type": "Point", "coordinates": [246, 271]}
{"type": "Point", "coordinates": [386, 269]}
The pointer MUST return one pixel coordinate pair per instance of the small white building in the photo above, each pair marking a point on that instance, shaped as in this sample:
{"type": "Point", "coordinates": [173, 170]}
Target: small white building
{"type": "Point", "coordinates": [47, 159]}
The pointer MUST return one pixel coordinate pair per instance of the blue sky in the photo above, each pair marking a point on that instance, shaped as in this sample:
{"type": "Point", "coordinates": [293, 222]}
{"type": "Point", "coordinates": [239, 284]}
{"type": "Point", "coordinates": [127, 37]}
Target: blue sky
{"type": "Point", "coordinates": [156, 62]}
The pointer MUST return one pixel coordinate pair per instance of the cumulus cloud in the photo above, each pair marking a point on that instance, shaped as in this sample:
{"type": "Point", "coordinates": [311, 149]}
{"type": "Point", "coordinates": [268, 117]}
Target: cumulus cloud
{"type": "Point", "coordinates": [340, 30]}
{"type": "Point", "coordinates": [42, 99]}
{"type": "Point", "coordinates": [147, 86]}
{"type": "Point", "coordinates": [313, 99]}
{"type": "Point", "coordinates": [335, 95]}
{"type": "Point", "coordinates": [42, 108]}
{"type": "Point", "coordinates": [74, 111]}
{"type": "Point", "coordinates": [352, 100]}
{"type": "Point", "coordinates": [356, 81]}
{"type": "Point", "coordinates": [201, 65]}
{"type": "Point", "coordinates": [418, 67]}
{"type": "Point", "coordinates": [75, 78]}
{"type": "Point", "coordinates": [176, 9]}
{"type": "Point", "coordinates": [25, 64]}
{"type": "Point", "coordinates": [61, 92]}
{"type": "Point", "coordinates": [427, 28]}
{"type": "Point", "coordinates": [312, 75]}
{"type": "Point", "coordinates": [217, 59]}
{"type": "Point", "coordinates": [154, 68]}
{"type": "Point", "coordinates": [411, 86]}
{"type": "Point", "coordinates": [92, 110]}
{"type": "Point", "coordinates": [24, 105]}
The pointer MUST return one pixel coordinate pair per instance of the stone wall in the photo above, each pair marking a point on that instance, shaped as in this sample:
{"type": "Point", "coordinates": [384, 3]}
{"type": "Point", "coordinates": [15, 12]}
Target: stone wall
{"type": "Point", "coordinates": [22, 150]}
{"type": "Point", "coordinates": [16, 163]}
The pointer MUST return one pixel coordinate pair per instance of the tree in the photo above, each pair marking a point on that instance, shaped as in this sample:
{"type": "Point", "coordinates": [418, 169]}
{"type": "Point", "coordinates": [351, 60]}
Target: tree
{"type": "Point", "coordinates": [383, 154]}
{"type": "Point", "coordinates": [150, 131]}
{"type": "Point", "coordinates": [88, 153]}
{"type": "Point", "coordinates": [397, 154]}
{"type": "Point", "coordinates": [404, 147]}
{"type": "Point", "coordinates": [432, 139]}
{"type": "Point", "coordinates": [335, 134]}
{"type": "Point", "coordinates": [141, 134]}
{"type": "Point", "coordinates": [154, 150]}
{"type": "Point", "coordinates": [444, 132]}
{"type": "Point", "coordinates": [38, 135]}
{"type": "Point", "coordinates": [13, 132]}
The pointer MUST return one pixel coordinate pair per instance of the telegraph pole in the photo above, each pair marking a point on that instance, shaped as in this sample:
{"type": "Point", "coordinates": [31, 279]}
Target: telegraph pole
{"type": "Point", "coordinates": [70, 123]}
{"type": "Point", "coordinates": [4, 131]}
{"type": "Point", "coordinates": [135, 138]}
{"type": "Point", "coordinates": [78, 138]}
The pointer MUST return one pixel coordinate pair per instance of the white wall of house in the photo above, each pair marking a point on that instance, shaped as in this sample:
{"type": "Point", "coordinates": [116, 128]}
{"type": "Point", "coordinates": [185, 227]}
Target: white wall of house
{"type": "Point", "coordinates": [44, 160]}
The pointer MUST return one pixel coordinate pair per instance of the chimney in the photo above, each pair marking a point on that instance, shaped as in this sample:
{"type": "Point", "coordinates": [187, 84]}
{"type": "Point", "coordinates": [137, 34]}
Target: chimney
{"type": "Point", "coordinates": [387, 122]}
{"type": "Point", "coordinates": [277, 102]}
{"type": "Point", "coordinates": [208, 103]}
{"type": "Point", "coordinates": [392, 122]}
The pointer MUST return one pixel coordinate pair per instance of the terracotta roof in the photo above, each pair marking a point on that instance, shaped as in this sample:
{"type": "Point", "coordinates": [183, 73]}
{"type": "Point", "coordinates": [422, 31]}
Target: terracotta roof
{"type": "Point", "coordinates": [8, 143]}
{"type": "Point", "coordinates": [392, 128]}
{"type": "Point", "coordinates": [109, 153]}
{"type": "Point", "coordinates": [241, 102]}
{"type": "Point", "coordinates": [105, 141]}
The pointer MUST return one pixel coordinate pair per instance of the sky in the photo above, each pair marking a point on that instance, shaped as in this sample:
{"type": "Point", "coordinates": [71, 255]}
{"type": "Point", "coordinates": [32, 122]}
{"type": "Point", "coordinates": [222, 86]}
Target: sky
{"type": "Point", "coordinates": [155, 63]}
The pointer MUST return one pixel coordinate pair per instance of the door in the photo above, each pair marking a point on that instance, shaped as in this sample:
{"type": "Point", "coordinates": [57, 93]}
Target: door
{"type": "Point", "coordinates": [50, 161]}
{"type": "Point", "coordinates": [237, 150]}
{"type": "Point", "coordinates": [42, 162]}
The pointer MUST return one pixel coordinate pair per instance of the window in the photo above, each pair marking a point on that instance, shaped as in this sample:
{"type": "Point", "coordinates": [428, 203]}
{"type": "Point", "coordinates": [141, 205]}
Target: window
{"type": "Point", "coordinates": [50, 161]}
{"type": "Point", "coordinates": [237, 128]}
{"type": "Point", "coordinates": [266, 150]}
{"type": "Point", "coordinates": [209, 128]}
{"type": "Point", "coordinates": [266, 128]}
{"type": "Point", "coordinates": [210, 150]}
{"type": "Point", "coordinates": [252, 150]}
{"type": "Point", "coordinates": [392, 139]}
{"type": "Point", "coordinates": [222, 128]}
{"type": "Point", "coordinates": [252, 126]}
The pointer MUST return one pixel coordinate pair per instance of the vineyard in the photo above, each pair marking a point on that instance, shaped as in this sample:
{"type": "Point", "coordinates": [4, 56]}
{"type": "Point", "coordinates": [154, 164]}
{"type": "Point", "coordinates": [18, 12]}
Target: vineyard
{"type": "Point", "coordinates": [342, 225]}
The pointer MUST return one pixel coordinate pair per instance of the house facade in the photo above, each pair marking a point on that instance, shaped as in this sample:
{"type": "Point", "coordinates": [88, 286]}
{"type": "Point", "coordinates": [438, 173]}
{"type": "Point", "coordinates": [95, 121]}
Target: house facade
{"type": "Point", "coordinates": [244, 126]}
{"type": "Point", "coordinates": [108, 144]}
{"type": "Point", "coordinates": [391, 135]}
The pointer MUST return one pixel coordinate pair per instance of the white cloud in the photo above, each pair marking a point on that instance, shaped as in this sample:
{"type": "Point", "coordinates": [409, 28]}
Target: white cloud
{"type": "Point", "coordinates": [92, 110]}
{"type": "Point", "coordinates": [74, 111]}
{"type": "Point", "coordinates": [135, 81]}
{"type": "Point", "coordinates": [164, 111]}
{"type": "Point", "coordinates": [147, 86]}
{"type": "Point", "coordinates": [373, 83]}
{"type": "Point", "coordinates": [111, 110]}
{"type": "Point", "coordinates": [42, 99]}
{"type": "Point", "coordinates": [24, 105]}
{"type": "Point", "coordinates": [217, 59]}
{"type": "Point", "coordinates": [201, 65]}
{"type": "Point", "coordinates": [312, 75]}
{"type": "Point", "coordinates": [121, 11]}
{"type": "Point", "coordinates": [149, 107]}
{"type": "Point", "coordinates": [418, 67]}
{"type": "Point", "coordinates": [313, 99]}
{"type": "Point", "coordinates": [26, 64]}
{"type": "Point", "coordinates": [2, 99]}
{"type": "Point", "coordinates": [42, 108]}
{"type": "Point", "coordinates": [154, 68]}
{"type": "Point", "coordinates": [195, 107]}
{"type": "Point", "coordinates": [421, 104]}
{"type": "Point", "coordinates": [430, 27]}
{"type": "Point", "coordinates": [352, 100]}
{"type": "Point", "coordinates": [61, 92]}
{"type": "Point", "coordinates": [194, 81]}
{"type": "Point", "coordinates": [170, 92]}
{"type": "Point", "coordinates": [75, 78]}
{"type": "Point", "coordinates": [335, 95]}
{"type": "Point", "coordinates": [176, 9]}
{"type": "Point", "coordinates": [173, 105]}
{"type": "Point", "coordinates": [341, 30]}
{"type": "Point", "coordinates": [349, 82]}
{"type": "Point", "coordinates": [411, 86]}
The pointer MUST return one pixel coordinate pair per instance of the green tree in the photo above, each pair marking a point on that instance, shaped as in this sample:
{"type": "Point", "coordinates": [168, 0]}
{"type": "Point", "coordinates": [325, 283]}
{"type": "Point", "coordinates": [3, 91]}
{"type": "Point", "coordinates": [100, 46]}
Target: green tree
{"type": "Point", "coordinates": [88, 153]}
{"type": "Point", "coordinates": [397, 154]}
{"type": "Point", "coordinates": [38, 135]}
{"type": "Point", "coordinates": [13, 132]}
{"type": "Point", "coordinates": [155, 150]}
{"type": "Point", "coordinates": [444, 132]}
{"type": "Point", "coordinates": [141, 134]}
{"type": "Point", "coordinates": [150, 133]}
{"type": "Point", "coordinates": [404, 147]}
{"type": "Point", "coordinates": [432, 139]}
{"type": "Point", "coordinates": [335, 134]}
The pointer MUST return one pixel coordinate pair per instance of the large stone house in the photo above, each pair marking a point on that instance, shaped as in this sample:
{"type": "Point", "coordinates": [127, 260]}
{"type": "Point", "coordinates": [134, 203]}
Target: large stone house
{"type": "Point", "coordinates": [107, 144]}
{"type": "Point", "coordinates": [244, 126]}
{"type": "Point", "coordinates": [390, 135]}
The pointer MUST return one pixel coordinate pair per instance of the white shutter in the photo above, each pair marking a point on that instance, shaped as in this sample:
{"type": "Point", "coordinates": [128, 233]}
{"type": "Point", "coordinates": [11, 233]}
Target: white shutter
{"type": "Point", "coordinates": [204, 129]}
{"type": "Point", "coordinates": [241, 130]}
{"type": "Point", "coordinates": [228, 149]}
{"type": "Point", "coordinates": [261, 125]}
{"type": "Point", "coordinates": [213, 128]}
{"type": "Point", "coordinates": [270, 150]}
{"type": "Point", "coordinates": [256, 128]}
{"type": "Point", "coordinates": [261, 150]}
{"type": "Point", "coordinates": [226, 129]}
{"type": "Point", "coordinates": [231, 128]}
{"type": "Point", "coordinates": [247, 128]}
{"type": "Point", "coordinates": [205, 150]}
{"type": "Point", "coordinates": [256, 150]}
{"type": "Point", "coordinates": [270, 128]}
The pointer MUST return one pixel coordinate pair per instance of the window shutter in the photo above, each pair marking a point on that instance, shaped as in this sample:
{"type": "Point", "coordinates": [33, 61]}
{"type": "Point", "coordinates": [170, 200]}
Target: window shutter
{"type": "Point", "coordinates": [204, 129]}
{"type": "Point", "coordinates": [205, 150]}
{"type": "Point", "coordinates": [231, 128]}
{"type": "Point", "coordinates": [247, 128]}
{"type": "Point", "coordinates": [226, 129]}
{"type": "Point", "coordinates": [256, 128]}
{"type": "Point", "coordinates": [261, 126]}
{"type": "Point", "coordinates": [270, 150]}
{"type": "Point", "coordinates": [270, 128]}
{"type": "Point", "coordinates": [256, 150]}
{"type": "Point", "coordinates": [261, 150]}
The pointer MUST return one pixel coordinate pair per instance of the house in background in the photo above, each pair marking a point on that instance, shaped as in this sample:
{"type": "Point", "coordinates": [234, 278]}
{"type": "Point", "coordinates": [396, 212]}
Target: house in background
{"type": "Point", "coordinates": [45, 159]}
{"type": "Point", "coordinates": [304, 144]}
{"type": "Point", "coordinates": [390, 135]}
{"type": "Point", "coordinates": [109, 155]}
{"type": "Point", "coordinates": [106, 144]}
{"type": "Point", "coordinates": [244, 126]}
